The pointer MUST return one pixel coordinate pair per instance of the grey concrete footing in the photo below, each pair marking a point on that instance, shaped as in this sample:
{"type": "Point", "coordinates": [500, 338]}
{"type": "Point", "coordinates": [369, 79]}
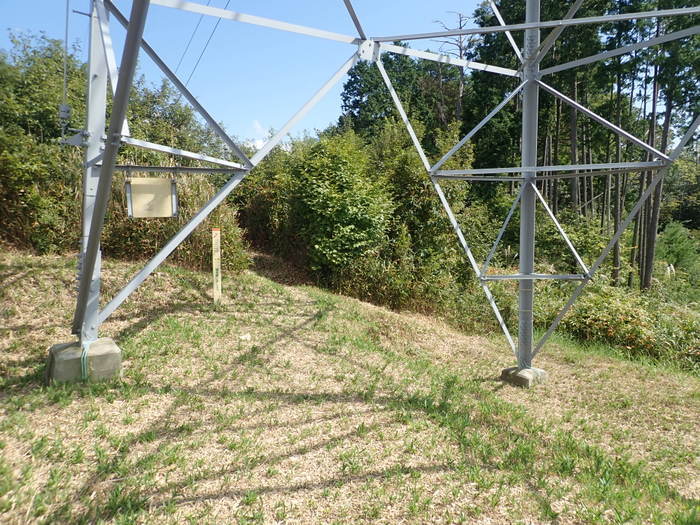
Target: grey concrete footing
{"type": "Point", "coordinates": [104, 361]}
{"type": "Point", "coordinates": [525, 377]}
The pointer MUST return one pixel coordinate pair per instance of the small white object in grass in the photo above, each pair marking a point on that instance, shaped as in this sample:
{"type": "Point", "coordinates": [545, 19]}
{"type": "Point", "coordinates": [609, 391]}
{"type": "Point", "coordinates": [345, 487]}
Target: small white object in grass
{"type": "Point", "coordinates": [244, 337]}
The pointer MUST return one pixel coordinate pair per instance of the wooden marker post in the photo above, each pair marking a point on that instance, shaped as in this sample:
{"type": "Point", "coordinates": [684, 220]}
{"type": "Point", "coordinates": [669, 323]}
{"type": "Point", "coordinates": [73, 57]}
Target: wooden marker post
{"type": "Point", "coordinates": [216, 262]}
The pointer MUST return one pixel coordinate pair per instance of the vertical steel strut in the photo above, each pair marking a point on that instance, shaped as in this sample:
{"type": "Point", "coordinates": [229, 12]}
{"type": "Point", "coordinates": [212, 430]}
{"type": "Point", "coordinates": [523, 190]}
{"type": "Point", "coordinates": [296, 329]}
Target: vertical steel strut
{"type": "Point", "coordinates": [528, 199]}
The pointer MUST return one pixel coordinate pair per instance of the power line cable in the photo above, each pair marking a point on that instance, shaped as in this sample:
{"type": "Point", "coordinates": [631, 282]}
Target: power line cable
{"type": "Point", "coordinates": [65, 55]}
{"type": "Point", "coordinates": [205, 46]}
{"type": "Point", "coordinates": [187, 47]}
{"type": "Point", "coordinates": [63, 109]}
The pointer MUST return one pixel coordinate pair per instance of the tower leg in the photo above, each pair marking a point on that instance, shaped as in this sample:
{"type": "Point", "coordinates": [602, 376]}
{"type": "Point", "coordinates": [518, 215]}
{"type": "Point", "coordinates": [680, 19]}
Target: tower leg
{"type": "Point", "coordinates": [524, 374]}
{"type": "Point", "coordinates": [90, 357]}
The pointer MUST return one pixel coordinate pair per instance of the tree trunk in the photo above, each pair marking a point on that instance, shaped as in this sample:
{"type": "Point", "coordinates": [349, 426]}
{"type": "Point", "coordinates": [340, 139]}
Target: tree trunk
{"type": "Point", "coordinates": [635, 252]}
{"type": "Point", "coordinates": [616, 204]}
{"type": "Point", "coordinates": [646, 210]}
{"type": "Point", "coordinates": [555, 158]}
{"type": "Point", "coordinates": [656, 206]}
{"type": "Point", "coordinates": [573, 134]}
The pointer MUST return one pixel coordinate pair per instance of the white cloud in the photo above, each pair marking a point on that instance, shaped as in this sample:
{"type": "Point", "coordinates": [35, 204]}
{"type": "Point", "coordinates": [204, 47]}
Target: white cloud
{"type": "Point", "coordinates": [258, 129]}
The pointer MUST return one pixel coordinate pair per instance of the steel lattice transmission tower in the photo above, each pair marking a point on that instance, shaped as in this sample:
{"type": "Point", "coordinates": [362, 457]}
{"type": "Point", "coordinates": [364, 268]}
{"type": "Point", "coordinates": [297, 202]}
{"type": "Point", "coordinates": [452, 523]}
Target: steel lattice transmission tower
{"type": "Point", "coordinates": [101, 152]}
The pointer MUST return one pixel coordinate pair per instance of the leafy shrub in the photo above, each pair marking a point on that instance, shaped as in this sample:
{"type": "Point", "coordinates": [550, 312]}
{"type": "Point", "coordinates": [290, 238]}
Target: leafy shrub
{"type": "Point", "coordinates": [265, 200]}
{"type": "Point", "coordinates": [677, 246]}
{"type": "Point", "coordinates": [340, 211]}
{"type": "Point", "coordinates": [635, 322]}
{"type": "Point", "coordinates": [39, 198]}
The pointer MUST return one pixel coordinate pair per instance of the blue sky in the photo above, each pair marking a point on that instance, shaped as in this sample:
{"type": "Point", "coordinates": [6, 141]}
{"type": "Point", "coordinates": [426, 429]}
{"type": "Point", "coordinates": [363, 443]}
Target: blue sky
{"type": "Point", "coordinates": [250, 78]}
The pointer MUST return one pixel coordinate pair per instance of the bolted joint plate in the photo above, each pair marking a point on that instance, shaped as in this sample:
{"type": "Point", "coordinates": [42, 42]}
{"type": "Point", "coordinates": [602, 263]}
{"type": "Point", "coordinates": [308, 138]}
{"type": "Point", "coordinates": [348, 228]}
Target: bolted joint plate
{"type": "Point", "coordinates": [368, 50]}
{"type": "Point", "coordinates": [525, 377]}
{"type": "Point", "coordinates": [63, 363]}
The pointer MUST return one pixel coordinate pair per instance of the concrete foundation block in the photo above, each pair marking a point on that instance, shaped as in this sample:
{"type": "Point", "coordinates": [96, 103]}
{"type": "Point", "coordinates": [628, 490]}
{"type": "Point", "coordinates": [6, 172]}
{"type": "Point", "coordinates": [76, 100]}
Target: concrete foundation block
{"type": "Point", "coordinates": [104, 361]}
{"type": "Point", "coordinates": [525, 377]}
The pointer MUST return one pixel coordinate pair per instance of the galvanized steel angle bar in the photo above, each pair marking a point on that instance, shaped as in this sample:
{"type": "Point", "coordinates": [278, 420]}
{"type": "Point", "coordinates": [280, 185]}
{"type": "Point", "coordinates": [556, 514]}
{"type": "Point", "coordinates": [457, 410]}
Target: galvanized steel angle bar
{"type": "Point", "coordinates": [355, 20]}
{"type": "Point", "coordinates": [623, 50]}
{"type": "Point", "coordinates": [446, 59]}
{"type": "Point", "coordinates": [402, 113]}
{"type": "Point", "coordinates": [561, 231]}
{"type": "Point", "coordinates": [234, 16]}
{"type": "Point", "coordinates": [180, 152]}
{"type": "Point", "coordinates": [492, 252]}
{"type": "Point", "coordinates": [472, 261]}
{"type": "Point", "coordinates": [509, 36]}
{"type": "Point", "coordinates": [108, 50]}
{"type": "Point", "coordinates": [119, 106]}
{"type": "Point", "coordinates": [534, 277]}
{"type": "Point", "coordinates": [476, 128]}
{"type": "Point", "coordinates": [277, 138]}
{"type": "Point", "coordinates": [604, 19]}
{"type": "Point", "coordinates": [628, 166]}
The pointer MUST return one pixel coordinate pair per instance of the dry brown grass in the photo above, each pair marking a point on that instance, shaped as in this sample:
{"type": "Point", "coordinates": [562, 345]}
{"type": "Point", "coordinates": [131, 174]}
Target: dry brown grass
{"type": "Point", "coordinates": [288, 404]}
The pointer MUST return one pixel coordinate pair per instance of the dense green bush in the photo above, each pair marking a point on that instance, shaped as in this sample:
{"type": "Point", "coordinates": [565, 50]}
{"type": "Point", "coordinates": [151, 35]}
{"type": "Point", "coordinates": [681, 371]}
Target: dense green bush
{"type": "Point", "coordinates": [341, 213]}
{"type": "Point", "coordinates": [39, 194]}
{"type": "Point", "coordinates": [636, 323]}
{"type": "Point", "coordinates": [266, 199]}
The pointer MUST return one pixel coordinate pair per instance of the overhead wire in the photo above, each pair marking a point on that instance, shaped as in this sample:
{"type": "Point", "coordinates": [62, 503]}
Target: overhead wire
{"type": "Point", "coordinates": [65, 55]}
{"type": "Point", "coordinates": [64, 110]}
{"type": "Point", "coordinates": [187, 47]}
{"type": "Point", "coordinates": [211, 35]}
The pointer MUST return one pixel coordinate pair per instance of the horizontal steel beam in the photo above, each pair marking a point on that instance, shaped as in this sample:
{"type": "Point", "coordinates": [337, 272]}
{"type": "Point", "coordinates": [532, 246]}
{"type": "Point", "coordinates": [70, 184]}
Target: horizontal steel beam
{"type": "Point", "coordinates": [631, 166]}
{"type": "Point", "coordinates": [583, 174]}
{"type": "Point", "coordinates": [477, 178]}
{"type": "Point", "coordinates": [605, 19]}
{"type": "Point", "coordinates": [533, 277]}
{"type": "Point", "coordinates": [180, 152]}
{"type": "Point", "coordinates": [557, 176]}
{"type": "Point", "coordinates": [131, 168]}
{"type": "Point", "coordinates": [446, 59]}
{"type": "Point", "coordinates": [622, 50]}
{"type": "Point", "coordinates": [234, 16]}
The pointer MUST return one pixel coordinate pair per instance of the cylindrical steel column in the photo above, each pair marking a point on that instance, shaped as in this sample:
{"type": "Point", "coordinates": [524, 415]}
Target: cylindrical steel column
{"type": "Point", "coordinates": [527, 202]}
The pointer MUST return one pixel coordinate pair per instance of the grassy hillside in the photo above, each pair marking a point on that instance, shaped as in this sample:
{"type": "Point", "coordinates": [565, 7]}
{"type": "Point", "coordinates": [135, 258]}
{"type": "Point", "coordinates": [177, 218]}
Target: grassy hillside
{"type": "Point", "coordinates": [290, 404]}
